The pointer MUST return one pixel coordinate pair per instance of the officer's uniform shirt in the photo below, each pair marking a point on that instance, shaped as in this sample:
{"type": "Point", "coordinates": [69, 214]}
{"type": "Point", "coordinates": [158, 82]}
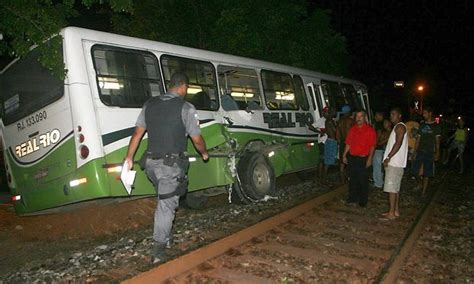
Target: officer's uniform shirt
{"type": "Point", "coordinates": [188, 114]}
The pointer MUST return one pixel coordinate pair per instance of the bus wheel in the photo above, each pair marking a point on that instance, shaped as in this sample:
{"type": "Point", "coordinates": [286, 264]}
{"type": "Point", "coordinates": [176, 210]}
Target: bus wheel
{"type": "Point", "coordinates": [195, 200]}
{"type": "Point", "coordinates": [256, 179]}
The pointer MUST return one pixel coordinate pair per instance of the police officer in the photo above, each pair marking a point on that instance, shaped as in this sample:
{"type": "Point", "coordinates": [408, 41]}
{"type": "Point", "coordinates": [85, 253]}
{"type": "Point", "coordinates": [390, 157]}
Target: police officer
{"type": "Point", "coordinates": [168, 120]}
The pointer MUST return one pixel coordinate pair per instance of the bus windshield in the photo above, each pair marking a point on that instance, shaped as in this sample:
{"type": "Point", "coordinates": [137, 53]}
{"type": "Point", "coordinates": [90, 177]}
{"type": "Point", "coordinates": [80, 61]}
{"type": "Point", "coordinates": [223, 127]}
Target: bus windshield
{"type": "Point", "coordinates": [27, 86]}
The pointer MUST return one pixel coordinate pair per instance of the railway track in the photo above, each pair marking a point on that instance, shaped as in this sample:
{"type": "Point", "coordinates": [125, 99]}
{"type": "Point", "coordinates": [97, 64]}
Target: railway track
{"type": "Point", "coordinates": [321, 240]}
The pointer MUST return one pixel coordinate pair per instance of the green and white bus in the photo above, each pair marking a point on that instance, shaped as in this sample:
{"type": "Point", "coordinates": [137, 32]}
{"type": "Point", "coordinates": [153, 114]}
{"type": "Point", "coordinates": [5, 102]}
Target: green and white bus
{"type": "Point", "coordinates": [64, 141]}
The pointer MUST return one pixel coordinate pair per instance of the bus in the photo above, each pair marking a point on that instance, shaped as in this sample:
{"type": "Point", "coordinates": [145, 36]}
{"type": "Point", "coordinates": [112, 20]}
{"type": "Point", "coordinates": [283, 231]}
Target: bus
{"type": "Point", "coordinates": [64, 140]}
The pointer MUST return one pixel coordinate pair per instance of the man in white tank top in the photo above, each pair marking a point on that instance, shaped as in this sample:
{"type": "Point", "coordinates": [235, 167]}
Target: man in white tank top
{"type": "Point", "coordinates": [395, 161]}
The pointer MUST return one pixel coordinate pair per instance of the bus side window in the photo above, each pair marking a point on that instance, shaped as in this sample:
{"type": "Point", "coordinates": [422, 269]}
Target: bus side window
{"type": "Point", "coordinates": [334, 92]}
{"type": "Point", "coordinates": [352, 96]}
{"type": "Point", "coordinates": [279, 91]}
{"type": "Point", "coordinates": [328, 99]}
{"type": "Point", "coordinates": [239, 88]}
{"type": "Point", "coordinates": [125, 77]}
{"type": "Point", "coordinates": [315, 93]}
{"type": "Point", "coordinates": [202, 91]}
{"type": "Point", "coordinates": [301, 97]}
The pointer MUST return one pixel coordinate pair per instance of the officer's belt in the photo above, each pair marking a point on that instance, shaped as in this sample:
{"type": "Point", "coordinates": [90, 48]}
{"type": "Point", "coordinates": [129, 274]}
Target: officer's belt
{"type": "Point", "coordinates": [159, 156]}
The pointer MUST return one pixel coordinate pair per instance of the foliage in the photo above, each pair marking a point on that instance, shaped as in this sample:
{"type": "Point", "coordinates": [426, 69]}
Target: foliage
{"type": "Point", "coordinates": [282, 31]}
{"type": "Point", "coordinates": [27, 23]}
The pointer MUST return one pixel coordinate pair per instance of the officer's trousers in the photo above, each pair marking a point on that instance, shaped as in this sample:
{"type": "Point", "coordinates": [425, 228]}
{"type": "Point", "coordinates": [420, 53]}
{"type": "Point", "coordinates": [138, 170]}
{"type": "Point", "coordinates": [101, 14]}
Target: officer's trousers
{"type": "Point", "coordinates": [164, 179]}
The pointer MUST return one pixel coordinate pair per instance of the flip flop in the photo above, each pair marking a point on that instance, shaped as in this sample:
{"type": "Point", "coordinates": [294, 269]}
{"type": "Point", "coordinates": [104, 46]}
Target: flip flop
{"type": "Point", "coordinates": [387, 218]}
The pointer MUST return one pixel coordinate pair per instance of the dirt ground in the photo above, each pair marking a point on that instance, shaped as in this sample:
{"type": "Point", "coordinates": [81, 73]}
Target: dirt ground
{"type": "Point", "coordinates": [30, 239]}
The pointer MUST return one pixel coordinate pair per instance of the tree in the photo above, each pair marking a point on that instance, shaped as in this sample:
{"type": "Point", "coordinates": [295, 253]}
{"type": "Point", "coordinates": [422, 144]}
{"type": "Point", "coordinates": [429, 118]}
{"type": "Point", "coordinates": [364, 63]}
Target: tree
{"type": "Point", "coordinates": [26, 23]}
{"type": "Point", "coordinates": [281, 31]}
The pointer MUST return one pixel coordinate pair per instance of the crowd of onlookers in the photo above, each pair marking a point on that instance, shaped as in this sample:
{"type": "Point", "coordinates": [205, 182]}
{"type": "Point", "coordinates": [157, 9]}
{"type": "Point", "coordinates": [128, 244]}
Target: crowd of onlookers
{"type": "Point", "coordinates": [383, 151]}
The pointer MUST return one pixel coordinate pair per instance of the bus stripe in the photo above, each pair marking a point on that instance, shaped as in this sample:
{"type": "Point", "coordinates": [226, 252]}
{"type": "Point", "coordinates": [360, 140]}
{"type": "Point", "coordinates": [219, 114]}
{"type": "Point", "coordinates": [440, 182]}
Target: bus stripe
{"type": "Point", "coordinates": [273, 131]}
{"type": "Point", "coordinates": [111, 137]}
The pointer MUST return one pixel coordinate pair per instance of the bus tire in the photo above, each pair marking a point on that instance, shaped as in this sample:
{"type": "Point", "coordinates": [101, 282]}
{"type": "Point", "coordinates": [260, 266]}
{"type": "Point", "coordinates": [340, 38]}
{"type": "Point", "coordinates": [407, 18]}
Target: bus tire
{"type": "Point", "coordinates": [256, 179]}
{"type": "Point", "coordinates": [195, 200]}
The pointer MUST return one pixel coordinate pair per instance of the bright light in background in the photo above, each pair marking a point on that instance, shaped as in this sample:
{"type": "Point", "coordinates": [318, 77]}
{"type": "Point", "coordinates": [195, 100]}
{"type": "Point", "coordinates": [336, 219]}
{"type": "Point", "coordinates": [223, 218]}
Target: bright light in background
{"type": "Point", "coordinates": [194, 90]}
{"type": "Point", "coordinates": [420, 88]}
{"type": "Point", "coordinates": [241, 94]}
{"type": "Point", "coordinates": [110, 83]}
{"type": "Point", "coordinates": [279, 95]}
{"type": "Point", "coordinates": [459, 118]}
{"type": "Point", "coordinates": [398, 84]}
{"type": "Point", "coordinates": [440, 115]}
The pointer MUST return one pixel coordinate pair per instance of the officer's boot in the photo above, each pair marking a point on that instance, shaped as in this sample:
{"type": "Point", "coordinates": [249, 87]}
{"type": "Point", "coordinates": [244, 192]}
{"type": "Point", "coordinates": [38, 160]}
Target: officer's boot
{"type": "Point", "coordinates": [169, 242]}
{"type": "Point", "coordinates": [158, 253]}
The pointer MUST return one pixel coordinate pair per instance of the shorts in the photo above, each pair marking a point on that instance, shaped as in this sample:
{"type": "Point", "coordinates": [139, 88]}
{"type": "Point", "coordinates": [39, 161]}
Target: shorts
{"type": "Point", "coordinates": [330, 152]}
{"type": "Point", "coordinates": [425, 159]}
{"type": "Point", "coordinates": [393, 179]}
{"type": "Point", "coordinates": [459, 145]}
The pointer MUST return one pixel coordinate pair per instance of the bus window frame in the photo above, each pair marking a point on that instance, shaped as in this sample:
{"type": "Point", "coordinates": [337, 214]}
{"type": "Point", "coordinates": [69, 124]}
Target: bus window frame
{"type": "Point", "coordinates": [10, 121]}
{"type": "Point", "coordinates": [311, 94]}
{"type": "Point", "coordinates": [305, 95]}
{"type": "Point", "coordinates": [265, 95]}
{"type": "Point", "coordinates": [353, 99]}
{"type": "Point", "coordinates": [332, 96]}
{"type": "Point", "coordinates": [320, 103]}
{"type": "Point", "coordinates": [327, 100]}
{"type": "Point", "coordinates": [214, 71]}
{"type": "Point", "coordinates": [258, 85]}
{"type": "Point", "coordinates": [139, 51]}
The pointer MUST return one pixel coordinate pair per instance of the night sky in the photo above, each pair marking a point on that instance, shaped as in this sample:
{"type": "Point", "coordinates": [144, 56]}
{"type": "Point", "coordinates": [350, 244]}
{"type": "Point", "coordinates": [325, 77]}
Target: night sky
{"type": "Point", "coordinates": [419, 42]}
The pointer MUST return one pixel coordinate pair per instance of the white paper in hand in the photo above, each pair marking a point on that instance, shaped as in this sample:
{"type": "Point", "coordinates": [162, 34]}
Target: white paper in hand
{"type": "Point", "coordinates": [127, 177]}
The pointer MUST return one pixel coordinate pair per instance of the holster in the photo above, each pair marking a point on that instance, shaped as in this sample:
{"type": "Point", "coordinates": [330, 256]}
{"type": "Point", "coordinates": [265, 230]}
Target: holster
{"type": "Point", "coordinates": [169, 159]}
{"type": "Point", "coordinates": [183, 163]}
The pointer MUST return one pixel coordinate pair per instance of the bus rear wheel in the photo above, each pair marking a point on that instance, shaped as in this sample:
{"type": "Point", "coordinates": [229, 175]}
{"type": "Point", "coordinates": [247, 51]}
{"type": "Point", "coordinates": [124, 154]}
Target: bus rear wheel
{"type": "Point", "coordinates": [256, 179]}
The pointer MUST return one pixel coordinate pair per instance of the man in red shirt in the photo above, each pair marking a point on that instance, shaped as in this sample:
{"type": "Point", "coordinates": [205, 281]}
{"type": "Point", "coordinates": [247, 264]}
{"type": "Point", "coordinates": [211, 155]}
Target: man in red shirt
{"type": "Point", "coordinates": [360, 145]}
